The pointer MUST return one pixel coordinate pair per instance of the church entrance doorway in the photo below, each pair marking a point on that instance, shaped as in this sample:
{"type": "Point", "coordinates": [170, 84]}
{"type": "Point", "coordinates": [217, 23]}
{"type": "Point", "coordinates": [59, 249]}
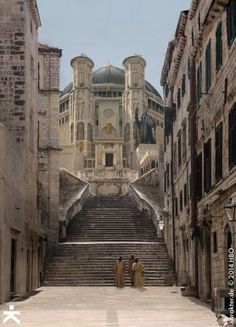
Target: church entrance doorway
{"type": "Point", "coordinates": [109, 159]}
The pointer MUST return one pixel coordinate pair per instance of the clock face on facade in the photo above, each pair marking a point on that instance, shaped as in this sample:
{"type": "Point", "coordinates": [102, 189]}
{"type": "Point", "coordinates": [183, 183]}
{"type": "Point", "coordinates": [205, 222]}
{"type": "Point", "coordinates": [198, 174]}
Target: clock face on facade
{"type": "Point", "coordinates": [108, 113]}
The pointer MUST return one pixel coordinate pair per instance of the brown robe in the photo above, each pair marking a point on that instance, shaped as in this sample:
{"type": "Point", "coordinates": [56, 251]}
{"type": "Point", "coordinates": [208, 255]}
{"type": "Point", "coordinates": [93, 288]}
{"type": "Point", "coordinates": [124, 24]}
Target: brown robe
{"type": "Point", "coordinates": [131, 272]}
{"type": "Point", "coordinates": [138, 269]}
{"type": "Point", "coordinates": [119, 273]}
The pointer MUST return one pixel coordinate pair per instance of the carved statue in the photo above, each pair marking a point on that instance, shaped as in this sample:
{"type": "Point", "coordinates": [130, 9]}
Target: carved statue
{"type": "Point", "coordinates": [147, 128]}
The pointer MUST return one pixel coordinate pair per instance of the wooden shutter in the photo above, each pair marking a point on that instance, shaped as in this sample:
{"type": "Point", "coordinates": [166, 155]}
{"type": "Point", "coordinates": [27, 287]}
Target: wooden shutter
{"type": "Point", "coordinates": [208, 66]}
{"type": "Point", "coordinates": [219, 46]}
{"type": "Point", "coordinates": [232, 137]}
{"type": "Point", "coordinates": [218, 153]}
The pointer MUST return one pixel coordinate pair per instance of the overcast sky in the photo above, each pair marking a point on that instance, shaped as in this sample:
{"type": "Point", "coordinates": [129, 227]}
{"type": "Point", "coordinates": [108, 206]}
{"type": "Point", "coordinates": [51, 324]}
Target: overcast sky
{"type": "Point", "coordinates": [110, 30]}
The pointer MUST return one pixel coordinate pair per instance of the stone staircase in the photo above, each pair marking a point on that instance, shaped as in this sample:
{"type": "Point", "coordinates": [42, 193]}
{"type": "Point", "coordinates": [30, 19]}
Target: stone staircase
{"type": "Point", "coordinates": [105, 229]}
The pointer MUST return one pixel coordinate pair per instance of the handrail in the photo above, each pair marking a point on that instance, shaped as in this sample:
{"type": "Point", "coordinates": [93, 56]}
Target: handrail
{"type": "Point", "coordinates": [146, 206]}
{"type": "Point", "coordinates": [72, 207]}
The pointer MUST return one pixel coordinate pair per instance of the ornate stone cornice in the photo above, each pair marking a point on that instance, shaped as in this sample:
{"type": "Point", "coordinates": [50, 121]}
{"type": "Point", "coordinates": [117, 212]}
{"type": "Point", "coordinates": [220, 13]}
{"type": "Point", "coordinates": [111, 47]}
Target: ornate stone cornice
{"type": "Point", "coordinates": [167, 62]}
{"type": "Point", "coordinates": [35, 12]}
{"type": "Point", "coordinates": [177, 59]}
{"type": "Point", "coordinates": [193, 8]}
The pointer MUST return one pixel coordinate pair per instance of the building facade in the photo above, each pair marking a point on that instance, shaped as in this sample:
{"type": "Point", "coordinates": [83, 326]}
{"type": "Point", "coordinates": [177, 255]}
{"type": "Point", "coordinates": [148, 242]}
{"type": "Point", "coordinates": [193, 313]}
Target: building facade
{"type": "Point", "coordinates": [19, 226]}
{"type": "Point", "coordinates": [100, 117]}
{"type": "Point", "coordinates": [29, 163]}
{"type": "Point", "coordinates": [199, 85]}
{"type": "Point", "coordinates": [48, 143]}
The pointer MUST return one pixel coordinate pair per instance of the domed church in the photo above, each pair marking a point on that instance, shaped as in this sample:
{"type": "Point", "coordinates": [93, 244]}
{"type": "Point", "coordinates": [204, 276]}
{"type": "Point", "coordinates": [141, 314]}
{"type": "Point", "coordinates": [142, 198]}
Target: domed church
{"type": "Point", "coordinates": [110, 120]}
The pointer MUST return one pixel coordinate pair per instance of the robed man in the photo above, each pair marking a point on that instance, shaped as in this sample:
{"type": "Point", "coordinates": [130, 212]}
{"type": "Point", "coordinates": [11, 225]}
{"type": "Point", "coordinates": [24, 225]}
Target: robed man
{"type": "Point", "coordinates": [138, 269]}
{"type": "Point", "coordinates": [131, 272]}
{"type": "Point", "coordinates": [119, 273]}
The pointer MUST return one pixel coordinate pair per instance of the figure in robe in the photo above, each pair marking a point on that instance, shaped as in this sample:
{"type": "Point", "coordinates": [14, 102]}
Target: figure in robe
{"type": "Point", "coordinates": [131, 272]}
{"type": "Point", "coordinates": [138, 269]}
{"type": "Point", "coordinates": [119, 273]}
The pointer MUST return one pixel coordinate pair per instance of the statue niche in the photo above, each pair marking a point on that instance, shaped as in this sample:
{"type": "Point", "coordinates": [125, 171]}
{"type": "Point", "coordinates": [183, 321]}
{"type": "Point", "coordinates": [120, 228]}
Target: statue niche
{"type": "Point", "coordinates": [80, 131]}
{"type": "Point", "coordinates": [147, 127]}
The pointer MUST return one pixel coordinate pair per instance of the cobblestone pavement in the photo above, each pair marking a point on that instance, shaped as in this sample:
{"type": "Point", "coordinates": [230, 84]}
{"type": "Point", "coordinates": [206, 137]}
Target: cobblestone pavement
{"type": "Point", "coordinates": [111, 307]}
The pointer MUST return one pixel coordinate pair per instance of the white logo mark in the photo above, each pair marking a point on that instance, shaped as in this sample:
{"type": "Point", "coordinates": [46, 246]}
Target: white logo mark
{"type": "Point", "coordinates": [11, 315]}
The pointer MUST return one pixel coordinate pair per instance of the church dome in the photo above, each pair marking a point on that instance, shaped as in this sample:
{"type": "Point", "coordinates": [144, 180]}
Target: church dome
{"type": "Point", "coordinates": [112, 77]}
{"type": "Point", "coordinates": [108, 74]}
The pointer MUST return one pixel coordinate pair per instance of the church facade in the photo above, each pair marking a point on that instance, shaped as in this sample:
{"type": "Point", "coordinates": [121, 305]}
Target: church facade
{"type": "Point", "coordinates": [105, 117]}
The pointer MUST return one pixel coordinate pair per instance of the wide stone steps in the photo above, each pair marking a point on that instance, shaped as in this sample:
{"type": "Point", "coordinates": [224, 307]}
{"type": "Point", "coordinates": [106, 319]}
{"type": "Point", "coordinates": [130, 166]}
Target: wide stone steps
{"type": "Point", "coordinates": [104, 230]}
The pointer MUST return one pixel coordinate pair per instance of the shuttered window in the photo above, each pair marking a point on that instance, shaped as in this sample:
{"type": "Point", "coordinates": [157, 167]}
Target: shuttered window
{"type": "Point", "coordinates": [178, 99]}
{"type": "Point", "coordinates": [231, 21]}
{"type": "Point", "coordinates": [179, 150]}
{"type": "Point", "coordinates": [219, 50]}
{"type": "Point", "coordinates": [208, 66]}
{"type": "Point", "coordinates": [185, 194]}
{"type": "Point", "coordinates": [207, 166]}
{"type": "Point", "coordinates": [183, 85]}
{"type": "Point", "coordinates": [218, 152]}
{"type": "Point", "coordinates": [181, 201]}
{"type": "Point", "coordinates": [199, 177]}
{"type": "Point", "coordinates": [199, 84]}
{"type": "Point", "coordinates": [232, 137]}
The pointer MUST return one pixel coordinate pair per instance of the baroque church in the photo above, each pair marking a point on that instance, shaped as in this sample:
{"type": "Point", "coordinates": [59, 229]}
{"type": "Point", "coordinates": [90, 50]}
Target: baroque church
{"type": "Point", "coordinates": [103, 120]}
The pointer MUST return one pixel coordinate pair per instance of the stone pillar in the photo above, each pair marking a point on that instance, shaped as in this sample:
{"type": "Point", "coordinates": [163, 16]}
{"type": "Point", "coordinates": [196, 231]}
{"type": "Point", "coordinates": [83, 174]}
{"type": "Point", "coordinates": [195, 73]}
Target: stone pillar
{"type": "Point", "coordinates": [134, 96]}
{"type": "Point", "coordinates": [83, 112]}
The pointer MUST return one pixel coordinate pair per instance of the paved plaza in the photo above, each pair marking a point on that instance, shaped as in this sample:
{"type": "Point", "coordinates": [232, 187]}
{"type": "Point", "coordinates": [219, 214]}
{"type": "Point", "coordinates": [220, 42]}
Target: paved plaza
{"type": "Point", "coordinates": [111, 307]}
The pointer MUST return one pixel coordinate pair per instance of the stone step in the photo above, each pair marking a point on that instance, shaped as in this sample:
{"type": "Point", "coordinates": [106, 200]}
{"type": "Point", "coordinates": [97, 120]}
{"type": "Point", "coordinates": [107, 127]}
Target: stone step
{"type": "Point", "coordinates": [107, 227]}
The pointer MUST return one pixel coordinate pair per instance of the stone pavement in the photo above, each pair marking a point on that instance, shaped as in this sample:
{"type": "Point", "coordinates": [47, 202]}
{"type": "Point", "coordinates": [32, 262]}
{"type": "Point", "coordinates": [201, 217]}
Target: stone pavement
{"type": "Point", "coordinates": [111, 307]}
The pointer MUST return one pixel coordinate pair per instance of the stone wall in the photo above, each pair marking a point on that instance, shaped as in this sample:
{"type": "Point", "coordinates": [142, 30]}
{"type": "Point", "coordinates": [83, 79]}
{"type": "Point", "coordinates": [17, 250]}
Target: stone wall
{"type": "Point", "coordinates": [197, 29]}
{"type": "Point", "coordinates": [18, 101]}
{"type": "Point", "coordinates": [48, 136]}
{"type": "Point", "coordinates": [18, 219]}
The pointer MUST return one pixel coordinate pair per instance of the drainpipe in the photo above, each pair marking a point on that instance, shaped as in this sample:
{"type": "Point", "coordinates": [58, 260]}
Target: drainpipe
{"type": "Point", "coordinates": [193, 182]}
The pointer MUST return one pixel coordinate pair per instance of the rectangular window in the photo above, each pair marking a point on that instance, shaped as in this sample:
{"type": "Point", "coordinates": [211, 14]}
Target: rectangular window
{"type": "Point", "coordinates": [231, 21]}
{"type": "Point", "coordinates": [199, 84]}
{"type": "Point", "coordinates": [183, 85]}
{"type": "Point", "coordinates": [215, 247]}
{"type": "Point", "coordinates": [185, 194]}
{"type": "Point", "coordinates": [168, 176]}
{"type": "Point", "coordinates": [219, 49]}
{"type": "Point", "coordinates": [207, 166]}
{"type": "Point", "coordinates": [176, 207]}
{"type": "Point", "coordinates": [178, 99]}
{"type": "Point", "coordinates": [179, 150]}
{"type": "Point", "coordinates": [181, 201]}
{"type": "Point", "coordinates": [208, 66]}
{"type": "Point", "coordinates": [174, 160]}
{"type": "Point", "coordinates": [165, 181]}
{"type": "Point", "coordinates": [232, 137]}
{"type": "Point", "coordinates": [184, 142]}
{"type": "Point", "coordinates": [199, 177]}
{"type": "Point", "coordinates": [218, 152]}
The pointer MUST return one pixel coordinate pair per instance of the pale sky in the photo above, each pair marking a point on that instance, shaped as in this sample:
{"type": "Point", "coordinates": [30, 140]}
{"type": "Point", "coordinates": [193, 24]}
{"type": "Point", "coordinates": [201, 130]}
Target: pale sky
{"type": "Point", "coordinates": [110, 30]}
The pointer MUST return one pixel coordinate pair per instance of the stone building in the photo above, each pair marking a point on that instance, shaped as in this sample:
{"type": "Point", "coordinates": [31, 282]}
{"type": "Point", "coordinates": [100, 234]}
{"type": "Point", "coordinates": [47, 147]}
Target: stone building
{"type": "Point", "coordinates": [48, 145]}
{"type": "Point", "coordinates": [19, 226]}
{"type": "Point", "coordinates": [200, 92]}
{"type": "Point", "coordinates": [100, 116]}
{"type": "Point", "coordinates": [28, 139]}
